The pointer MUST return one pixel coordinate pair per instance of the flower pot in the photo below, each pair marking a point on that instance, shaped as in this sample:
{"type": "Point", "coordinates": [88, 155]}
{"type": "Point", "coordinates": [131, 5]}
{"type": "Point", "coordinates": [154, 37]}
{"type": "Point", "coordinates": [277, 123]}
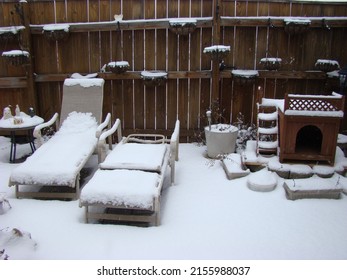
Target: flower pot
{"type": "Point", "coordinates": [326, 65]}
{"type": "Point", "coordinates": [245, 77]}
{"type": "Point", "coordinates": [10, 33]}
{"type": "Point", "coordinates": [217, 52]}
{"type": "Point", "coordinates": [271, 63]}
{"type": "Point", "coordinates": [296, 25]}
{"type": "Point", "coordinates": [221, 139]}
{"type": "Point", "coordinates": [118, 67]}
{"type": "Point", "coordinates": [154, 78]}
{"type": "Point", "coordinates": [17, 57]}
{"type": "Point", "coordinates": [56, 32]}
{"type": "Point", "coordinates": [182, 26]}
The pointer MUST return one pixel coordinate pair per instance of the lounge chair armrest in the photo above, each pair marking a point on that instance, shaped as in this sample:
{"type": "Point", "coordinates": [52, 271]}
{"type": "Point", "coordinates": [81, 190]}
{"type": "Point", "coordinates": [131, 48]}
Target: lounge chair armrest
{"type": "Point", "coordinates": [103, 125]}
{"type": "Point", "coordinates": [37, 133]}
{"type": "Point", "coordinates": [174, 140]}
{"type": "Point", "coordinates": [116, 127]}
{"type": "Point", "coordinates": [102, 149]}
{"type": "Point", "coordinates": [174, 143]}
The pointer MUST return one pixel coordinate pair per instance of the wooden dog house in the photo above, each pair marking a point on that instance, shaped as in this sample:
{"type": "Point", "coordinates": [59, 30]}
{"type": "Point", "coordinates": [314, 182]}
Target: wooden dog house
{"type": "Point", "coordinates": [309, 126]}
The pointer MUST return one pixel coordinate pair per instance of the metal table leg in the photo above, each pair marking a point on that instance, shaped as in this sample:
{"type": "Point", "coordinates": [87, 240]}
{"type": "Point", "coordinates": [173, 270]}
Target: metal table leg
{"type": "Point", "coordinates": [13, 147]}
{"type": "Point", "coordinates": [31, 141]}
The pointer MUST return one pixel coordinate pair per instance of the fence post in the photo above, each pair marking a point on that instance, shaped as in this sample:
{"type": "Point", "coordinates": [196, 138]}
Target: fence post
{"type": "Point", "coordinates": [26, 42]}
{"type": "Point", "coordinates": [216, 41]}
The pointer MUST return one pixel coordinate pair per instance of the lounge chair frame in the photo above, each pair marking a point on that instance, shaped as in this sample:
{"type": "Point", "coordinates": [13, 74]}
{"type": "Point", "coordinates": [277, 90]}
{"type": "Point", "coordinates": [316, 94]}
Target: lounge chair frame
{"type": "Point", "coordinates": [171, 155]}
{"type": "Point", "coordinates": [81, 100]}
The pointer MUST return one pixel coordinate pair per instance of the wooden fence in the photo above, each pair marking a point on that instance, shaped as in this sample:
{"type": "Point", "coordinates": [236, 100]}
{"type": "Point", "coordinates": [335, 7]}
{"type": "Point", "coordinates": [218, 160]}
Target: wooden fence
{"type": "Point", "coordinates": [253, 29]}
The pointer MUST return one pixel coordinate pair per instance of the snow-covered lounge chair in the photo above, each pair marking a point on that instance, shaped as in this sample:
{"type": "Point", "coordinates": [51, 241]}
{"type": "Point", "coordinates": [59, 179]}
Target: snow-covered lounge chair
{"type": "Point", "coordinates": [59, 161]}
{"type": "Point", "coordinates": [128, 184]}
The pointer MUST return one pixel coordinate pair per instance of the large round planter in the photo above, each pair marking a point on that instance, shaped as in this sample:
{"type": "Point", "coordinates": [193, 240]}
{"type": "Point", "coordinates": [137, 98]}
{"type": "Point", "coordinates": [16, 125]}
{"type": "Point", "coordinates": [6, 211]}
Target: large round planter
{"type": "Point", "coordinates": [221, 139]}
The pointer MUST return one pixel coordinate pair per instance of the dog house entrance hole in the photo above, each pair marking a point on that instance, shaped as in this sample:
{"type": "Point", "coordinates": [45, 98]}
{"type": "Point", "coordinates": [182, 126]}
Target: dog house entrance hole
{"type": "Point", "coordinates": [309, 140]}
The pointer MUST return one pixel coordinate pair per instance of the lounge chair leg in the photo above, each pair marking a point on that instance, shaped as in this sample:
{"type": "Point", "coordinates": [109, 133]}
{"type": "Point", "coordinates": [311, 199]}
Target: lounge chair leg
{"type": "Point", "coordinates": [77, 186]}
{"type": "Point", "coordinates": [172, 173]}
{"type": "Point", "coordinates": [17, 191]}
{"type": "Point", "coordinates": [156, 211]}
{"type": "Point", "coordinates": [86, 214]}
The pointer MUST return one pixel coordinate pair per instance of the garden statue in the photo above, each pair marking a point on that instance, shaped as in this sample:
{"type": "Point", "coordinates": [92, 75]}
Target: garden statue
{"type": "Point", "coordinates": [17, 111]}
{"type": "Point", "coordinates": [7, 113]}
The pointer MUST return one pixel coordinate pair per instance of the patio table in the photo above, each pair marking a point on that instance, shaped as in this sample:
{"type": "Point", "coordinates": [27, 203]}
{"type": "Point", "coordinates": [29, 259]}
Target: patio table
{"type": "Point", "coordinates": [27, 125]}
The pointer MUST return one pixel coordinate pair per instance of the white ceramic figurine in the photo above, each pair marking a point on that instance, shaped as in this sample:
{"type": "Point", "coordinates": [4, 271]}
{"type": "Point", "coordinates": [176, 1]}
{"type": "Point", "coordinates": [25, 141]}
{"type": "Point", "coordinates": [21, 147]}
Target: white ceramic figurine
{"type": "Point", "coordinates": [7, 113]}
{"type": "Point", "coordinates": [17, 111]}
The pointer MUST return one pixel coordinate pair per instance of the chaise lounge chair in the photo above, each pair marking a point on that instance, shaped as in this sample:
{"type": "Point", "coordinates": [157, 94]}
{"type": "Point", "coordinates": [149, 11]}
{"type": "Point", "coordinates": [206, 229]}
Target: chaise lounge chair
{"type": "Point", "coordinates": [57, 163]}
{"type": "Point", "coordinates": [128, 184]}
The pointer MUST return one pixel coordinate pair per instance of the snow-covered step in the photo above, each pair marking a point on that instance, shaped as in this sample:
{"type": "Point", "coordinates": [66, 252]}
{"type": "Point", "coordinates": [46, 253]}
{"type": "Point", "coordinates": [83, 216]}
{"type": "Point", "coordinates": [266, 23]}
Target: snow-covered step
{"type": "Point", "coordinates": [268, 144]}
{"type": "Point", "coordinates": [268, 130]}
{"type": "Point", "coordinates": [268, 116]}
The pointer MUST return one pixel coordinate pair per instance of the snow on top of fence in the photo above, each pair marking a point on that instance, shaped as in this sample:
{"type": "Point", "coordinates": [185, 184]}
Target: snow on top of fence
{"type": "Point", "coordinates": [15, 53]}
{"type": "Point", "coordinates": [297, 20]}
{"type": "Point", "coordinates": [56, 26]}
{"type": "Point", "coordinates": [182, 21]}
{"type": "Point", "coordinates": [11, 29]}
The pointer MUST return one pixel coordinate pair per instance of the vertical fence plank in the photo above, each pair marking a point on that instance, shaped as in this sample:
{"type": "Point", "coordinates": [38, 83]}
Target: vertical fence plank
{"type": "Point", "coordinates": [262, 46]}
{"type": "Point", "coordinates": [337, 51]}
{"type": "Point", "coordinates": [205, 61]}
{"type": "Point", "coordinates": [138, 85]}
{"type": "Point", "coordinates": [48, 94]}
{"type": "Point", "coordinates": [11, 18]}
{"type": "Point", "coordinates": [161, 47]}
{"type": "Point", "coordinates": [94, 37]}
{"type": "Point", "coordinates": [49, 99]}
{"type": "Point", "coordinates": [150, 59]}
{"type": "Point", "coordinates": [172, 83]}
{"type": "Point", "coordinates": [245, 47]}
{"type": "Point", "coordinates": [279, 9]}
{"type": "Point", "coordinates": [172, 44]}
{"type": "Point", "coordinates": [128, 85]}
{"type": "Point", "coordinates": [161, 91]}
{"type": "Point", "coordinates": [278, 47]}
{"type": "Point", "coordinates": [76, 59]}
{"type": "Point", "coordinates": [195, 65]}
{"type": "Point", "coordinates": [60, 12]}
{"type": "Point", "coordinates": [112, 43]}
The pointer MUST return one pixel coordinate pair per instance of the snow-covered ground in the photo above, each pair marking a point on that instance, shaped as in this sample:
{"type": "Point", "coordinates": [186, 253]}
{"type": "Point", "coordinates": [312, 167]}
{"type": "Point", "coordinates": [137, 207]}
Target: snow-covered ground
{"type": "Point", "coordinates": [204, 216]}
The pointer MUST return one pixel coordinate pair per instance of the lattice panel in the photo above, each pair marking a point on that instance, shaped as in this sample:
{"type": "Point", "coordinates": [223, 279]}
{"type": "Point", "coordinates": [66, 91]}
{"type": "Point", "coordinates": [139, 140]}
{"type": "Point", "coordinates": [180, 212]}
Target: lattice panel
{"type": "Point", "coordinates": [311, 105]}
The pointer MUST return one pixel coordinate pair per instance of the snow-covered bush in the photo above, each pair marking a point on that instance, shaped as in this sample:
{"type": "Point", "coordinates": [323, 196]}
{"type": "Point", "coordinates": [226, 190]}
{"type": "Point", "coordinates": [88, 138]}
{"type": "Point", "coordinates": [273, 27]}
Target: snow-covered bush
{"type": "Point", "coordinates": [16, 244]}
{"type": "Point", "coordinates": [246, 132]}
{"type": "Point", "coordinates": [3, 255]}
{"type": "Point", "coordinates": [4, 204]}
{"type": "Point", "coordinates": [217, 116]}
